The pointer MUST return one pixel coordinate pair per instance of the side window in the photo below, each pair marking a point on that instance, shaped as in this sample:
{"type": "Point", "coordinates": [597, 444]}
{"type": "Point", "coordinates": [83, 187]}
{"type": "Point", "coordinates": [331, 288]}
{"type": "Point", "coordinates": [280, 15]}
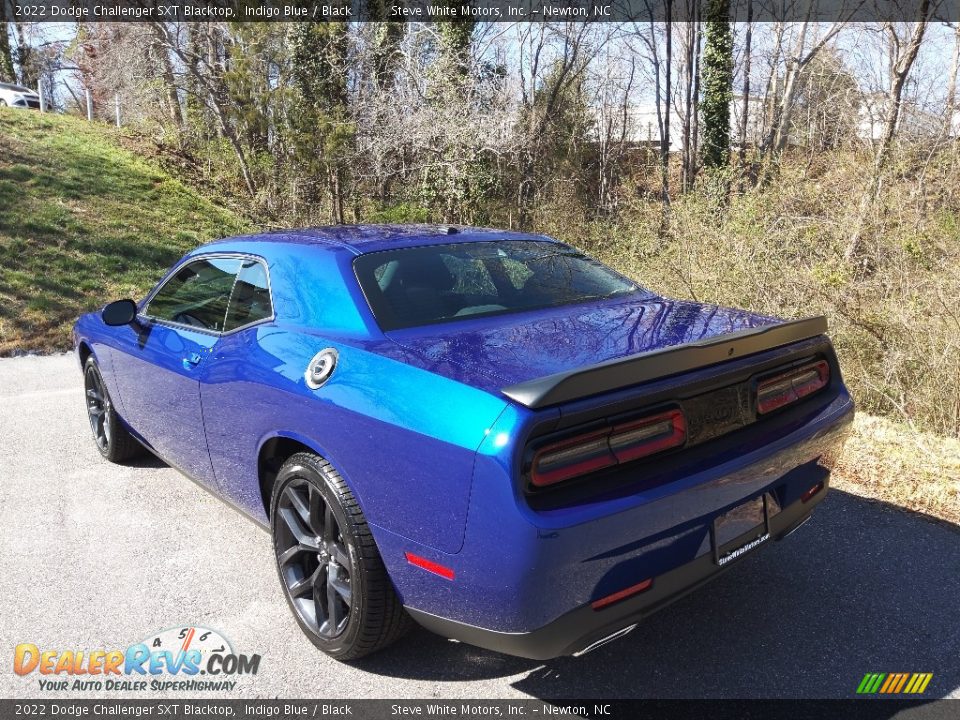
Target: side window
{"type": "Point", "coordinates": [197, 295]}
{"type": "Point", "coordinates": [251, 296]}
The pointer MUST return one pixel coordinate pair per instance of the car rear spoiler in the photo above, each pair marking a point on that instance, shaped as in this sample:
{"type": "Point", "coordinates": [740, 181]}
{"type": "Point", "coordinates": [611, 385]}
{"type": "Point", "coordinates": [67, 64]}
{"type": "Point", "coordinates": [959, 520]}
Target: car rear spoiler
{"type": "Point", "coordinates": [623, 372]}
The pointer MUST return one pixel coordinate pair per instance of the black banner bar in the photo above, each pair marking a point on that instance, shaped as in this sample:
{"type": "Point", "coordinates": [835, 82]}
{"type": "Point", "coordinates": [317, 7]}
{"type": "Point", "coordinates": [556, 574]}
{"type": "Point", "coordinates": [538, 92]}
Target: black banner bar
{"type": "Point", "coordinates": [473, 10]}
{"type": "Point", "coordinates": [192, 709]}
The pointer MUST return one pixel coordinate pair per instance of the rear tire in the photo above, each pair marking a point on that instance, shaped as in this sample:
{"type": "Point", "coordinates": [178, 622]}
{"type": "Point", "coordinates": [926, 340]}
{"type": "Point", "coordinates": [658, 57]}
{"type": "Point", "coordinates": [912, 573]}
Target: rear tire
{"type": "Point", "coordinates": [331, 571]}
{"type": "Point", "coordinates": [110, 435]}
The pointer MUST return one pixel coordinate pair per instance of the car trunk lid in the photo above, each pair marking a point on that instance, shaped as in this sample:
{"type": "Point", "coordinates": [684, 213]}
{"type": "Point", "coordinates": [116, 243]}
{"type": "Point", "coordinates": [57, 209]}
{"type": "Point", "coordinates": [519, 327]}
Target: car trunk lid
{"type": "Point", "coordinates": [507, 350]}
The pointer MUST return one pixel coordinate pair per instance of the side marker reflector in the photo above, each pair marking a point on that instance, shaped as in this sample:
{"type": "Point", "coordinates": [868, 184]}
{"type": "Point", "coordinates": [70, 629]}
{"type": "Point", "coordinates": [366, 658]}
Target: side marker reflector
{"type": "Point", "coordinates": [622, 594]}
{"type": "Point", "coordinates": [430, 566]}
{"type": "Point", "coordinates": [811, 492]}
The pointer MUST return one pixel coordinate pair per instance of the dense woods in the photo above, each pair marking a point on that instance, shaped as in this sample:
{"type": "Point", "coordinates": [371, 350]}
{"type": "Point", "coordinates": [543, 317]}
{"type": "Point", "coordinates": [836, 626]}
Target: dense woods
{"type": "Point", "coordinates": [468, 122]}
{"type": "Point", "coordinates": [793, 167]}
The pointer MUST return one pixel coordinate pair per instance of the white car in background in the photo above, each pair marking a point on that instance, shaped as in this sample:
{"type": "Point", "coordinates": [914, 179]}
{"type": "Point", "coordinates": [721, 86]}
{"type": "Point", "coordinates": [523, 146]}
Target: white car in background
{"type": "Point", "coordinates": [18, 96]}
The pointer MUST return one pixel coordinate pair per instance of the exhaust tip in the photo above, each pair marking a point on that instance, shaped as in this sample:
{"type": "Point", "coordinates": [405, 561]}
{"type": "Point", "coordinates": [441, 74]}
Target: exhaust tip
{"type": "Point", "coordinates": [604, 640]}
{"type": "Point", "coordinates": [792, 530]}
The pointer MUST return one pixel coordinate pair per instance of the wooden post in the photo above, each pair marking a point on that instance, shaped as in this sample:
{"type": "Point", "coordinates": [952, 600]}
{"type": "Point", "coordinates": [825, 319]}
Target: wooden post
{"type": "Point", "coordinates": [116, 100]}
{"type": "Point", "coordinates": [89, 105]}
{"type": "Point", "coordinates": [40, 93]}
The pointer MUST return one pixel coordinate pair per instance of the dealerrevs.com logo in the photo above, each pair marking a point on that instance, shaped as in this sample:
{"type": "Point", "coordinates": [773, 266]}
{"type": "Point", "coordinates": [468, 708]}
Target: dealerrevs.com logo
{"type": "Point", "coordinates": [188, 659]}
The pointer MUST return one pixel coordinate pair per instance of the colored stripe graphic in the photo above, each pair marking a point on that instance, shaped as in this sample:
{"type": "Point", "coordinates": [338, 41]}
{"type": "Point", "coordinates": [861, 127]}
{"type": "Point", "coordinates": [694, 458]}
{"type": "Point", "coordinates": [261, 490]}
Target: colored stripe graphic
{"type": "Point", "coordinates": [186, 642]}
{"type": "Point", "coordinates": [870, 683]}
{"type": "Point", "coordinates": [890, 686]}
{"type": "Point", "coordinates": [894, 683]}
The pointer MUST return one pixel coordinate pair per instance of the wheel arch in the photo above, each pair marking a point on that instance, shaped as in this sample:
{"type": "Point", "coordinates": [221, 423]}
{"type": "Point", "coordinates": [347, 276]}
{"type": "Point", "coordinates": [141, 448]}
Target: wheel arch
{"type": "Point", "coordinates": [279, 447]}
{"type": "Point", "coordinates": [85, 351]}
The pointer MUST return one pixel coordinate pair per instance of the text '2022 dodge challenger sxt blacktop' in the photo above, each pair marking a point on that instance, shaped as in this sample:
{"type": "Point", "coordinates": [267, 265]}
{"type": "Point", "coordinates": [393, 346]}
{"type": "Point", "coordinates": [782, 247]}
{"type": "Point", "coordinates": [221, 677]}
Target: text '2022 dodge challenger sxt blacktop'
{"type": "Point", "coordinates": [486, 431]}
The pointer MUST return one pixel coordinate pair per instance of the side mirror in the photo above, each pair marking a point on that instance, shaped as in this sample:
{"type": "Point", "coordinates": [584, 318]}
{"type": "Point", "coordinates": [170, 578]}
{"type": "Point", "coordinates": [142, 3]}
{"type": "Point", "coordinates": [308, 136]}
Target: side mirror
{"type": "Point", "coordinates": [119, 312]}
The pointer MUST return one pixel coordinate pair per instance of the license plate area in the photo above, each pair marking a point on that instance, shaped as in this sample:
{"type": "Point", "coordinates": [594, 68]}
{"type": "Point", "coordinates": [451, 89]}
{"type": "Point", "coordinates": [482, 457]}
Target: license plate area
{"type": "Point", "coordinates": [741, 529]}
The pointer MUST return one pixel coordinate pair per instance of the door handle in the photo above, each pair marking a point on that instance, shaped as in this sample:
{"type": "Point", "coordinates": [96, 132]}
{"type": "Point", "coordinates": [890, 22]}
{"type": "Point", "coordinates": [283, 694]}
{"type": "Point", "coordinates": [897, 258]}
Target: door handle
{"type": "Point", "coordinates": [191, 361]}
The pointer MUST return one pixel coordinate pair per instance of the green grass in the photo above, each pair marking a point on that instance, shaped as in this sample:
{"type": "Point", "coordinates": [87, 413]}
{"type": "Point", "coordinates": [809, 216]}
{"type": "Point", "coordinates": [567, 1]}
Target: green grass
{"type": "Point", "coordinates": [84, 221]}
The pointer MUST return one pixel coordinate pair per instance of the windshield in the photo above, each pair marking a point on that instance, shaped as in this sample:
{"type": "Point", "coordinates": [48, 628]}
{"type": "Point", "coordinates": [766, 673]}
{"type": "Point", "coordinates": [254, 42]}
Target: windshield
{"type": "Point", "coordinates": [425, 285]}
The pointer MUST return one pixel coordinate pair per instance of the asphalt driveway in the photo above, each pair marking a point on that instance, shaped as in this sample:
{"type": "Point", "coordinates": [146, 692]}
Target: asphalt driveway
{"type": "Point", "coordinates": [96, 555]}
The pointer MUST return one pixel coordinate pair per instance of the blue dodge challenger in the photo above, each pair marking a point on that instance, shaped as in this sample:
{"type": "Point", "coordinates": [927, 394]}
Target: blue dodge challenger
{"type": "Point", "coordinates": [484, 431]}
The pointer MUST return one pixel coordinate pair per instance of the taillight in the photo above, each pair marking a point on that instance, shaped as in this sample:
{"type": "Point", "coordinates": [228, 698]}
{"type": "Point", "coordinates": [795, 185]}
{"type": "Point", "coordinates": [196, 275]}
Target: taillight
{"type": "Point", "coordinates": [650, 435]}
{"type": "Point", "coordinates": [607, 447]}
{"type": "Point", "coordinates": [776, 392]}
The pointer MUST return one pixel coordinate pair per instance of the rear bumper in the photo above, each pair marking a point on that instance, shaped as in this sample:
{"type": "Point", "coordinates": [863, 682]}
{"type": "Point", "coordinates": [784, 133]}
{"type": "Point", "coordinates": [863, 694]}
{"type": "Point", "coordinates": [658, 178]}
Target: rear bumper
{"type": "Point", "coordinates": [584, 628]}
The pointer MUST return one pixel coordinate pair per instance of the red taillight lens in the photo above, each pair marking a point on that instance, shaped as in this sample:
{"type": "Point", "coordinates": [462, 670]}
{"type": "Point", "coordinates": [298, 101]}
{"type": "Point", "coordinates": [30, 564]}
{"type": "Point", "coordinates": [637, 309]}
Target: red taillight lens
{"type": "Point", "coordinates": [608, 447]}
{"type": "Point", "coordinates": [776, 392]}
{"type": "Point", "coordinates": [569, 458]}
{"type": "Point", "coordinates": [648, 436]}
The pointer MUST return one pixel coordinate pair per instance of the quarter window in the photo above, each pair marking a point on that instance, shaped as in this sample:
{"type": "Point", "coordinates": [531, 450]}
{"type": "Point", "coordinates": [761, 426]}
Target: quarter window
{"type": "Point", "coordinates": [197, 295]}
{"type": "Point", "coordinates": [250, 301]}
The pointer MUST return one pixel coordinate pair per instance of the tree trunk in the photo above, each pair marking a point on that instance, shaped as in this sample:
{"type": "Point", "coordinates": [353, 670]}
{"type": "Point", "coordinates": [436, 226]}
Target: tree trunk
{"type": "Point", "coordinates": [665, 123]}
{"type": "Point", "coordinates": [335, 179]}
{"type": "Point", "coordinates": [745, 114]}
{"type": "Point", "coordinates": [691, 78]}
{"type": "Point", "coordinates": [7, 73]}
{"type": "Point", "coordinates": [212, 89]}
{"type": "Point", "coordinates": [951, 107]}
{"type": "Point", "coordinates": [28, 72]}
{"type": "Point", "coordinates": [902, 60]}
{"type": "Point", "coordinates": [717, 84]}
{"type": "Point", "coordinates": [169, 80]}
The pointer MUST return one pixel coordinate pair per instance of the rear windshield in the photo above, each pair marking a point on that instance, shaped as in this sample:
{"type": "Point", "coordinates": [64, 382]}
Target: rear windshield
{"type": "Point", "coordinates": [410, 287]}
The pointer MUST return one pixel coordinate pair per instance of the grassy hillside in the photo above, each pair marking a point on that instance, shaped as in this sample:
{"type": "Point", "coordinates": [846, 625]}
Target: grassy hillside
{"type": "Point", "coordinates": [84, 221]}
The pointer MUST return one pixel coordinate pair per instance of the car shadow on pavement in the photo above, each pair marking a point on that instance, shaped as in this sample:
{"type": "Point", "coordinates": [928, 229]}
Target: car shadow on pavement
{"type": "Point", "coordinates": [863, 587]}
{"type": "Point", "coordinates": [147, 460]}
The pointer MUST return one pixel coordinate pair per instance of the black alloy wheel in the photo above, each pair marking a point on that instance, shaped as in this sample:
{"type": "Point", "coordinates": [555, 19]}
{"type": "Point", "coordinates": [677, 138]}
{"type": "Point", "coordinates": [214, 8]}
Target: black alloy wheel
{"type": "Point", "coordinates": [313, 559]}
{"type": "Point", "coordinates": [113, 439]}
{"type": "Point", "coordinates": [331, 571]}
{"type": "Point", "coordinates": [98, 407]}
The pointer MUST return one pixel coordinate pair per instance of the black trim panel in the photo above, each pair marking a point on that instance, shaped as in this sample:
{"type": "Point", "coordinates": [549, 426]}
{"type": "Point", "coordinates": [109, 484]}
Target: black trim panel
{"type": "Point", "coordinates": [623, 372]}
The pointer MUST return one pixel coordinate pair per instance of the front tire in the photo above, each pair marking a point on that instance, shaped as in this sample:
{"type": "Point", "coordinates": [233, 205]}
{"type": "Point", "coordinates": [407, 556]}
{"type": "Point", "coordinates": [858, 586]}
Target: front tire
{"type": "Point", "coordinates": [332, 574]}
{"type": "Point", "coordinates": [112, 438]}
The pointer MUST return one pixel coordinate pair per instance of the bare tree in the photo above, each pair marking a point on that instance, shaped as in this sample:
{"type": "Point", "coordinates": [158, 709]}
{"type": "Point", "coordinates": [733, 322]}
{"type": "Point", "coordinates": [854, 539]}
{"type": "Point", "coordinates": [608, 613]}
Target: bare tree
{"type": "Point", "coordinates": [167, 75]}
{"type": "Point", "coordinates": [804, 49]}
{"type": "Point", "coordinates": [691, 41]}
{"type": "Point", "coordinates": [614, 87]}
{"type": "Point", "coordinates": [950, 108]}
{"type": "Point", "coordinates": [903, 47]}
{"type": "Point", "coordinates": [206, 70]}
{"type": "Point", "coordinates": [560, 54]}
{"type": "Point", "coordinates": [649, 35]}
{"type": "Point", "coordinates": [745, 95]}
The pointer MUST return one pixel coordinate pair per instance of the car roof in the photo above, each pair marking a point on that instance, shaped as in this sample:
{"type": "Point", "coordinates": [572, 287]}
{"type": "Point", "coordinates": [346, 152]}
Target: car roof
{"type": "Point", "coordinates": [16, 88]}
{"type": "Point", "coordinates": [361, 239]}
